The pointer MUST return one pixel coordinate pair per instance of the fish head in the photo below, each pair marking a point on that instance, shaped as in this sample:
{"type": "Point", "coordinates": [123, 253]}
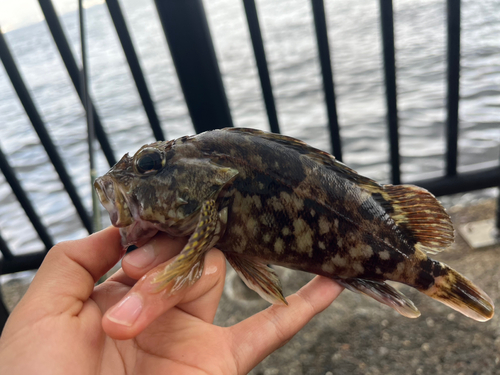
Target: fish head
{"type": "Point", "coordinates": [138, 195]}
{"type": "Point", "coordinates": [160, 188]}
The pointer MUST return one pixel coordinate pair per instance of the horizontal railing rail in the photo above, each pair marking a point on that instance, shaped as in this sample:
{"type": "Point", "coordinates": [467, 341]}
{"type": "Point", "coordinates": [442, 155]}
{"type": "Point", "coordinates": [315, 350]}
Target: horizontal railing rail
{"type": "Point", "coordinates": [188, 36]}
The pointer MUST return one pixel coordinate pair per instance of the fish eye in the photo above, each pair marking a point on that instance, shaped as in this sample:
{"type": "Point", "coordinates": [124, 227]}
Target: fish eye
{"type": "Point", "coordinates": [149, 161]}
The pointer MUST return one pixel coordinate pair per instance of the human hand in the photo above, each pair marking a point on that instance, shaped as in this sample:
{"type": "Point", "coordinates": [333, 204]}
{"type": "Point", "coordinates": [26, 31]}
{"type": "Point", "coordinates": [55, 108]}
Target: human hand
{"type": "Point", "coordinates": [65, 325]}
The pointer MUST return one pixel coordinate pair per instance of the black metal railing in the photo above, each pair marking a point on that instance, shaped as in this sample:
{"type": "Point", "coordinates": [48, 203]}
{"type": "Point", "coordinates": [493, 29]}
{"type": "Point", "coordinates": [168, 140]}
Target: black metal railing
{"type": "Point", "coordinates": [188, 36]}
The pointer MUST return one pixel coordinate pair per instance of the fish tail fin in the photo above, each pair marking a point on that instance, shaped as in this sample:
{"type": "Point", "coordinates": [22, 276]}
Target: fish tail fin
{"type": "Point", "coordinates": [459, 293]}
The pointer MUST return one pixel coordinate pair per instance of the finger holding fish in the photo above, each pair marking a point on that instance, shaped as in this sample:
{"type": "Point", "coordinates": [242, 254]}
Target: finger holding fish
{"type": "Point", "coordinates": [258, 336]}
{"type": "Point", "coordinates": [142, 305]}
{"type": "Point", "coordinates": [159, 249]}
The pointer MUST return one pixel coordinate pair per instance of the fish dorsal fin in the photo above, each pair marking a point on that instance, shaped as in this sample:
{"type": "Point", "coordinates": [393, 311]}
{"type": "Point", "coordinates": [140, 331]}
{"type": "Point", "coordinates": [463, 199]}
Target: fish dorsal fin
{"type": "Point", "coordinates": [419, 213]}
{"type": "Point", "coordinates": [319, 156]}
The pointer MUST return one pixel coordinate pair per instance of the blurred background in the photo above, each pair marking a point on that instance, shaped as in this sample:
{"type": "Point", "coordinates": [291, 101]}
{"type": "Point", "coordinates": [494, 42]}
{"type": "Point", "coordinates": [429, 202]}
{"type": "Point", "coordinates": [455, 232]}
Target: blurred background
{"type": "Point", "coordinates": [288, 32]}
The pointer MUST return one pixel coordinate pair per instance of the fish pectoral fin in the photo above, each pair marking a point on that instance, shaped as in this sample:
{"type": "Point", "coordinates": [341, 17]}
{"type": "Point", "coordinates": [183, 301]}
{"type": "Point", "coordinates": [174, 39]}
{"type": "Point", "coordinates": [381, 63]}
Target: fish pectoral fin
{"type": "Point", "coordinates": [259, 277]}
{"type": "Point", "coordinates": [187, 267]}
{"type": "Point", "coordinates": [384, 293]}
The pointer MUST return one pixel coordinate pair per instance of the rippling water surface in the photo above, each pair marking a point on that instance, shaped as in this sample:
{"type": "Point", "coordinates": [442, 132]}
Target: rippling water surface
{"type": "Point", "coordinates": [288, 33]}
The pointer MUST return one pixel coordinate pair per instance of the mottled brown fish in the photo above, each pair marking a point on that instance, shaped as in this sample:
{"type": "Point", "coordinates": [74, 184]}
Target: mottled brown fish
{"type": "Point", "coordinates": [265, 199]}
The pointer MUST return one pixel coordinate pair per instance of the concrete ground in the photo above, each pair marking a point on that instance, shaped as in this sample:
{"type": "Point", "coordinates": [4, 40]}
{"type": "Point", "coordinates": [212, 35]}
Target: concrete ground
{"type": "Point", "coordinates": [357, 335]}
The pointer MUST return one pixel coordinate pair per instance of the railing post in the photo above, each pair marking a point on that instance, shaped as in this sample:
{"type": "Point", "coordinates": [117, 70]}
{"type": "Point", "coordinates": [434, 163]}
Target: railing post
{"type": "Point", "coordinates": [453, 21]}
{"type": "Point", "coordinates": [4, 249]}
{"type": "Point", "coordinates": [135, 67]}
{"type": "Point", "coordinates": [25, 202]}
{"type": "Point", "coordinates": [186, 29]}
{"type": "Point", "coordinates": [261, 61]}
{"type": "Point", "coordinates": [326, 69]}
{"type": "Point", "coordinates": [387, 22]}
{"type": "Point", "coordinates": [73, 71]}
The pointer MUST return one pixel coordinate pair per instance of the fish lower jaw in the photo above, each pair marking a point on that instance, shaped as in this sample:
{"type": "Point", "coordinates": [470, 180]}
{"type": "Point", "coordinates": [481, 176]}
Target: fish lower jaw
{"type": "Point", "coordinates": [137, 233]}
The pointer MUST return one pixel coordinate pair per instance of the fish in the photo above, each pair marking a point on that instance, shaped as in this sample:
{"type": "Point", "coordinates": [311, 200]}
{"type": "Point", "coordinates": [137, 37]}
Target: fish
{"type": "Point", "coordinates": [268, 199]}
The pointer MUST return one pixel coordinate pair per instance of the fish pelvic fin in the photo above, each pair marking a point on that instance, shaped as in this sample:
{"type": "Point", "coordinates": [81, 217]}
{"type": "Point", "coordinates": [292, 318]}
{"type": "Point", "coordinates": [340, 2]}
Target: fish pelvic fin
{"type": "Point", "coordinates": [259, 277]}
{"type": "Point", "coordinates": [383, 293]}
{"type": "Point", "coordinates": [418, 214]}
{"type": "Point", "coordinates": [459, 293]}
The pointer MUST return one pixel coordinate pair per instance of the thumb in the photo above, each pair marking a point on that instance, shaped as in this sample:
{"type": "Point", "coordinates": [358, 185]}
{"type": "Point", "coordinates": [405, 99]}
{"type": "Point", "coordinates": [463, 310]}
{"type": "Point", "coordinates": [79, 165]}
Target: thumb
{"type": "Point", "coordinates": [71, 268]}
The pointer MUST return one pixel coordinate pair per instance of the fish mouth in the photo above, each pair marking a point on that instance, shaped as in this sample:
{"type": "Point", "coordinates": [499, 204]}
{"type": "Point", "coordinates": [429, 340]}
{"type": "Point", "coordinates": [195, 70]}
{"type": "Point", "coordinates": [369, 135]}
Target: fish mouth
{"type": "Point", "coordinates": [114, 201]}
{"type": "Point", "coordinates": [123, 212]}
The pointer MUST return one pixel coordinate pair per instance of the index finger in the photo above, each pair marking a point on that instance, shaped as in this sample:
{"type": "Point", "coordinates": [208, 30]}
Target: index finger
{"type": "Point", "coordinates": [71, 268]}
{"type": "Point", "coordinates": [258, 336]}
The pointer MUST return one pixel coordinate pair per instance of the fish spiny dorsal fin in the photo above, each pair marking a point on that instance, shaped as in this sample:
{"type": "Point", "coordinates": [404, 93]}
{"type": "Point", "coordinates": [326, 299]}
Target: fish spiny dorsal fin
{"type": "Point", "coordinates": [419, 213]}
{"type": "Point", "coordinates": [318, 156]}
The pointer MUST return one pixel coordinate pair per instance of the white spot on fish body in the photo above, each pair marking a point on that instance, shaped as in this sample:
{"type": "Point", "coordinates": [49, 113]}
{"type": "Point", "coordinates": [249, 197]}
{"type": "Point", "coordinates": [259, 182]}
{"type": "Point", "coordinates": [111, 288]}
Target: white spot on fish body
{"type": "Point", "coordinates": [275, 203]}
{"type": "Point", "coordinates": [256, 160]}
{"type": "Point", "coordinates": [236, 207]}
{"type": "Point", "coordinates": [279, 246]}
{"type": "Point", "coordinates": [384, 255]}
{"type": "Point", "coordinates": [299, 226]}
{"type": "Point", "coordinates": [251, 224]}
{"type": "Point", "coordinates": [400, 268]}
{"type": "Point", "coordinates": [324, 225]}
{"type": "Point", "coordinates": [339, 261]}
{"type": "Point", "coordinates": [257, 202]}
{"type": "Point", "coordinates": [328, 267]}
{"type": "Point", "coordinates": [286, 198]}
{"type": "Point", "coordinates": [238, 230]}
{"type": "Point", "coordinates": [358, 267]}
{"type": "Point", "coordinates": [303, 236]}
{"type": "Point", "coordinates": [361, 251]}
{"type": "Point", "coordinates": [321, 245]}
{"type": "Point", "coordinates": [298, 202]}
{"type": "Point", "coordinates": [246, 205]}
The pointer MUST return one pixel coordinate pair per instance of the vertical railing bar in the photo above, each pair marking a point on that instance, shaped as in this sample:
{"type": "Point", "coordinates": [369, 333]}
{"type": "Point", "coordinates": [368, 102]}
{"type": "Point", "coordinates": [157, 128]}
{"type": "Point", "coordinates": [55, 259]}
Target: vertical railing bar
{"type": "Point", "coordinates": [387, 23]}
{"type": "Point", "coordinates": [453, 22]}
{"type": "Point", "coordinates": [135, 67]}
{"type": "Point", "coordinates": [4, 313]}
{"type": "Point", "coordinates": [39, 126]}
{"type": "Point", "coordinates": [186, 28]}
{"type": "Point", "coordinates": [497, 223]}
{"type": "Point", "coordinates": [5, 250]}
{"type": "Point", "coordinates": [318, 8]}
{"type": "Point", "coordinates": [87, 104]}
{"type": "Point", "coordinates": [261, 61]}
{"type": "Point", "coordinates": [23, 199]}
{"type": "Point", "coordinates": [74, 72]}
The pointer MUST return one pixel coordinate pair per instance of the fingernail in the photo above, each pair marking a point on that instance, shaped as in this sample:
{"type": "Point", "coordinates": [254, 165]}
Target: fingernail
{"type": "Point", "coordinates": [127, 311]}
{"type": "Point", "coordinates": [141, 257]}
